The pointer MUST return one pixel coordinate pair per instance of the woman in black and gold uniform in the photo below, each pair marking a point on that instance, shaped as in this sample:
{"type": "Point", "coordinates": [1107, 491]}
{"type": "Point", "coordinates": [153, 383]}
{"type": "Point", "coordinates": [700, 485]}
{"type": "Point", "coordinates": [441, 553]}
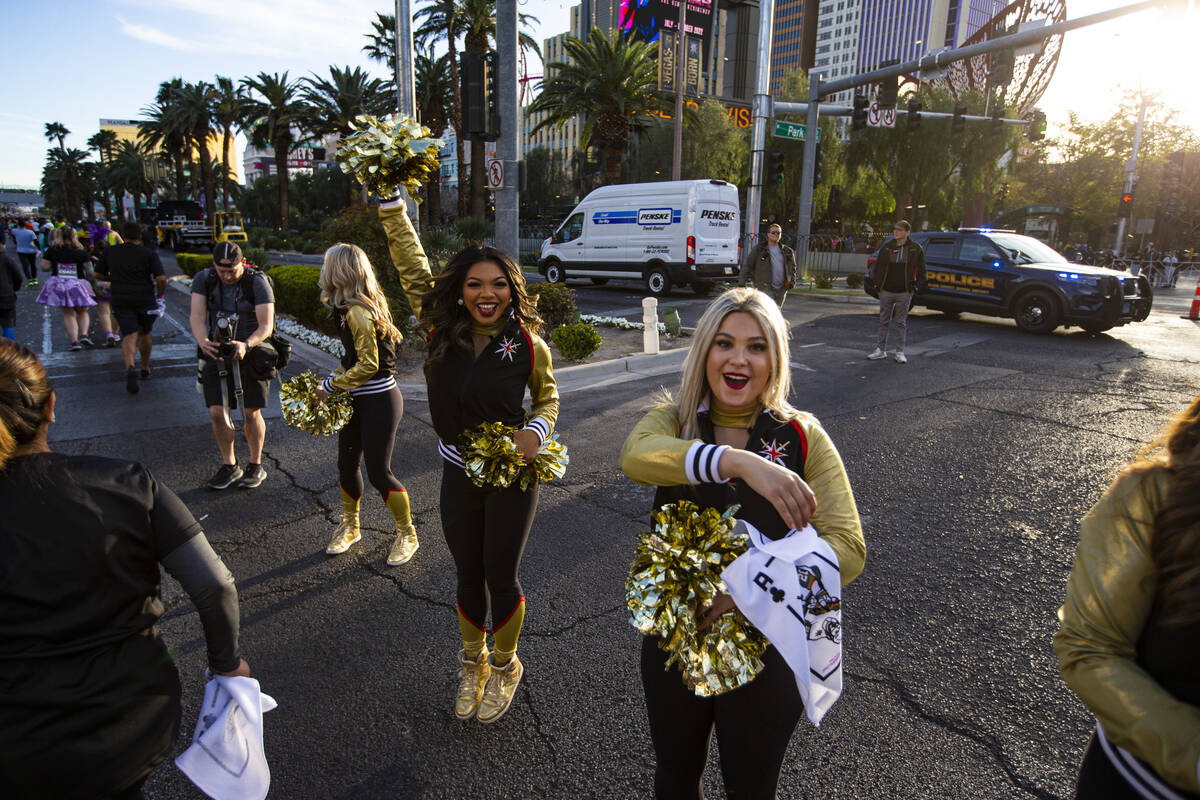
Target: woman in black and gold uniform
{"type": "Point", "coordinates": [483, 352]}
{"type": "Point", "coordinates": [348, 286]}
{"type": "Point", "coordinates": [732, 420]}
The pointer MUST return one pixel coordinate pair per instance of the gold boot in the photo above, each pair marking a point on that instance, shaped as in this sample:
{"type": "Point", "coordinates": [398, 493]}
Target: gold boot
{"type": "Point", "coordinates": [498, 694]}
{"type": "Point", "coordinates": [473, 676]}
{"type": "Point", "coordinates": [403, 547]}
{"type": "Point", "coordinates": [347, 532]}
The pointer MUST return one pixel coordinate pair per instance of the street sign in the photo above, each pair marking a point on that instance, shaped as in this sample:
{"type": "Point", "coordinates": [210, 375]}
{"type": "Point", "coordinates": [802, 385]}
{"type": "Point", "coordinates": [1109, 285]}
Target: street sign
{"type": "Point", "coordinates": [791, 130]}
{"type": "Point", "coordinates": [666, 61]}
{"type": "Point", "coordinates": [495, 171]}
{"type": "Point", "coordinates": [880, 117]}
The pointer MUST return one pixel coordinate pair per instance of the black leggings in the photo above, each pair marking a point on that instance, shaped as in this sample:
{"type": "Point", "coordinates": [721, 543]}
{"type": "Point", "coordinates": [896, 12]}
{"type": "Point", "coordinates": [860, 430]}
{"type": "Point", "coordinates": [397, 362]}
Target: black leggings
{"type": "Point", "coordinates": [1100, 780]}
{"type": "Point", "coordinates": [370, 435]}
{"type": "Point", "coordinates": [754, 724]}
{"type": "Point", "coordinates": [29, 264]}
{"type": "Point", "coordinates": [486, 530]}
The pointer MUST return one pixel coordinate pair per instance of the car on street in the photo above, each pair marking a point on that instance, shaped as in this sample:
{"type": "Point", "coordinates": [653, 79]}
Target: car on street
{"type": "Point", "coordinates": [1001, 273]}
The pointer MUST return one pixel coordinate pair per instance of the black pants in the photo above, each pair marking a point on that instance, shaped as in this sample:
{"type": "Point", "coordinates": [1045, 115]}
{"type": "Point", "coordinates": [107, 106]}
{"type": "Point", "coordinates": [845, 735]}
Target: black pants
{"type": "Point", "coordinates": [28, 264]}
{"type": "Point", "coordinates": [370, 435]}
{"type": "Point", "coordinates": [1100, 780]}
{"type": "Point", "coordinates": [486, 530]}
{"type": "Point", "coordinates": [754, 724]}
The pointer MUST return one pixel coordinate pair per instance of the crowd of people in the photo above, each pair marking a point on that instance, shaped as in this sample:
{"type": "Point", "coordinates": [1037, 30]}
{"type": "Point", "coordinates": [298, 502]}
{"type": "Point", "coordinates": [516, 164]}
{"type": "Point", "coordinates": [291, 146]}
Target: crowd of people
{"type": "Point", "coordinates": [87, 694]}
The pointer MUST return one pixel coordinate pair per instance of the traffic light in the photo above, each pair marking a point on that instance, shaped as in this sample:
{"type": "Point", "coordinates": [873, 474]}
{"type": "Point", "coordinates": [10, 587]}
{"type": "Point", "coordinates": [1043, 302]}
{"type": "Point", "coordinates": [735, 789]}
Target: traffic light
{"type": "Point", "coordinates": [1001, 73]}
{"type": "Point", "coordinates": [774, 168]}
{"type": "Point", "coordinates": [818, 167]}
{"type": "Point", "coordinates": [888, 87]}
{"type": "Point", "coordinates": [481, 119]}
{"type": "Point", "coordinates": [959, 123]}
{"type": "Point", "coordinates": [996, 125]}
{"type": "Point", "coordinates": [858, 119]}
{"type": "Point", "coordinates": [1125, 207]}
{"type": "Point", "coordinates": [1037, 126]}
{"type": "Point", "coordinates": [914, 114]}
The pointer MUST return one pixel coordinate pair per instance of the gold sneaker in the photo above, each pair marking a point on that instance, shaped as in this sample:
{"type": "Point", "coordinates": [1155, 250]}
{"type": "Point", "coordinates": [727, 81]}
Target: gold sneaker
{"type": "Point", "coordinates": [473, 676]}
{"type": "Point", "coordinates": [344, 536]}
{"type": "Point", "coordinates": [498, 695]}
{"type": "Point", "coordinates": [404, 547]}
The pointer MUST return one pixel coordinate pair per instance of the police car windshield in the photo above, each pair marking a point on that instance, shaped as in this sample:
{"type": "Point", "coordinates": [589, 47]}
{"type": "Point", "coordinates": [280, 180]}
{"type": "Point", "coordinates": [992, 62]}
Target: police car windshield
{"type": "Point", "coordinates": [1026, 249]}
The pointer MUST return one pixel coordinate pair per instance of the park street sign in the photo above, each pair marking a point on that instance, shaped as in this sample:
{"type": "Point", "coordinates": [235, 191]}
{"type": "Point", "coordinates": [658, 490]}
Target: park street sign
{"type": "Point", "coordinates": [791, 130]}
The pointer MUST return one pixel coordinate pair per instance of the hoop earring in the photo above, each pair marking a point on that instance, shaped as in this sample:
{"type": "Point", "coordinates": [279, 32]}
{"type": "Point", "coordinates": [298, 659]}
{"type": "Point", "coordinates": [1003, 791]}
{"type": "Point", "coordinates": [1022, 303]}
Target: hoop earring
{"type": "Point", "coordinates": [460, 302]}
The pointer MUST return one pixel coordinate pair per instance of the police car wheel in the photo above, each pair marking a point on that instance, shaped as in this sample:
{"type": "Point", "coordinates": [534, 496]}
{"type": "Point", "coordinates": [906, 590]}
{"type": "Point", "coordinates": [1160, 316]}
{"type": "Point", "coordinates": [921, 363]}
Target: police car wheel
{"type": "Point", "coordinates": [1036, 312]}
{"type": "Point", "coordinates": [554, 272]}
{"type": "Point", "coordinates": [658, 282]}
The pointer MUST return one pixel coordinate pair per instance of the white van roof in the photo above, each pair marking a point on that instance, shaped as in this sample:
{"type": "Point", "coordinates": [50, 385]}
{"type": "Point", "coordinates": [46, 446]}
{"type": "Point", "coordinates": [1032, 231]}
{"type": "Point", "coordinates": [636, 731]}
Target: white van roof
{"type": "Point", "coordinates": [651, 189]}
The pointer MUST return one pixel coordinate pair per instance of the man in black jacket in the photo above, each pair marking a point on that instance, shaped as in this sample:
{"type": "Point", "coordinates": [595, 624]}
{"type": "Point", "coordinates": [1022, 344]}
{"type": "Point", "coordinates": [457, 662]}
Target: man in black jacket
{"type": "Point", "coordinates": [10, 283]}
{"type": "Point", "coordinates": [899, 272]}
{"type": "Point", "coordinates": [770, 266]}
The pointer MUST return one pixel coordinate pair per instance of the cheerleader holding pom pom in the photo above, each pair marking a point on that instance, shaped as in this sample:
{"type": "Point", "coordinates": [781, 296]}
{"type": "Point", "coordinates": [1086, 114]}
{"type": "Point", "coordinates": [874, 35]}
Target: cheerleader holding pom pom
{"type": "Point", "coordinates": [370, 339]}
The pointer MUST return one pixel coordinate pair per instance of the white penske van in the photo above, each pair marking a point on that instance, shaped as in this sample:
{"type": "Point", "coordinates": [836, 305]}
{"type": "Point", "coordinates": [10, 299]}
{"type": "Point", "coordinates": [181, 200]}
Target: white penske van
{"type": "Point", "coordinates": [665, 234]}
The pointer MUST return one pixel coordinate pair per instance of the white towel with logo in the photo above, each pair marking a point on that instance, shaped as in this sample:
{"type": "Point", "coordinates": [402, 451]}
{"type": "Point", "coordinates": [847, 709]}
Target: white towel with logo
{"type": "Point", "coordinates": [226, 760]}
{"type": "Point", "coordinates": [790, 589]}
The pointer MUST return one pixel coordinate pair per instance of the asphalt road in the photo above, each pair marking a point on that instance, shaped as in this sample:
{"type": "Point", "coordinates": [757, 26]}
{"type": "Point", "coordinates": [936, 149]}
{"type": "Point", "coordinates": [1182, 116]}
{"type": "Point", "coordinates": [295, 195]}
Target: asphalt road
{"type": "Point", "coordinates": [971, 465]}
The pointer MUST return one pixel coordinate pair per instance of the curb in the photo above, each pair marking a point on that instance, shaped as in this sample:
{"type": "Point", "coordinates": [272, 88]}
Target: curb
{"type": "Point", "coordinates": [615, 366]}
{"type": "Point", "coordinates": [865, 300]}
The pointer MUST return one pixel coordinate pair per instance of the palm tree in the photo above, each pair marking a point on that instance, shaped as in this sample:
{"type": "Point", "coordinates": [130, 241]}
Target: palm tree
{"type": "Point", "coordinates": [196, 106]}
{"type": "Point", "coordinates": [163, 131]}
{"type": "Point", "coordinates": [609, 83]}
{"type": "Point", "coordinates": [104, 142]}
{"type": "Point", "coordinates": [335, 102]}
{"type": "Point", "coordinates": [274, 117]}
{"type": "Point", "coordinates": [441, 22]}
{"type": "Point", "coordinates": [64, 172]}
{"type": "Point", "coordinates": [129, 172]}
{"type": "Point", "coordinates": [433, 90]}
{"type": "Point", "coordinates": [477, 19]}
{"type": "Point", "coordinates": [56, 130]}
{"type": "Point", "coordinates": [228, 103]}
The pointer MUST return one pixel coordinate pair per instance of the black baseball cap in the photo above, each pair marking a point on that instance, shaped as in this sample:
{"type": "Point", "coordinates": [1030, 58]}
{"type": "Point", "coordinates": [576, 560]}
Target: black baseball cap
{"type": "Point", "coordinates": [227, 254]}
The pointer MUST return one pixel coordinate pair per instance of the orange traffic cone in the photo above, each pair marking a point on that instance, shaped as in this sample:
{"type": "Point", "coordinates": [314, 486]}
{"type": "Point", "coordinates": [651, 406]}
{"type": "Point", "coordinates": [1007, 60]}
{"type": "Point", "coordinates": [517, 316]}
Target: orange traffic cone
{"type": "Point", "coordinates": [1194, 314]}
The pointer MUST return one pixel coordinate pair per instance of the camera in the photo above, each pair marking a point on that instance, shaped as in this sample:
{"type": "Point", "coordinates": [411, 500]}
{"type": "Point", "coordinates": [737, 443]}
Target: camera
{"type": "Point", "coordinates": [226, 325]}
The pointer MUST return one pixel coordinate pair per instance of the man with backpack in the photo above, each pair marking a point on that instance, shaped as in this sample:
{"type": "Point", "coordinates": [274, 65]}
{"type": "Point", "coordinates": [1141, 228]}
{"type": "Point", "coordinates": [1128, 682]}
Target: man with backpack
{"type": "Point", "coordinates": [232, 313]}
{"type": "Point", "coordinates": [138, 285]}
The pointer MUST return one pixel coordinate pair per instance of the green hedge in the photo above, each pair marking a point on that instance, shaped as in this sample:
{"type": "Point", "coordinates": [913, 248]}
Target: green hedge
{"type": "Point", "coordinates": [191, 263]}
{"type": "Point", "coordinates": [556, 304]}
{"type": "Point", "coordinates": [297, 295]}
{"type": "Point", "coordinates": [577, 341]}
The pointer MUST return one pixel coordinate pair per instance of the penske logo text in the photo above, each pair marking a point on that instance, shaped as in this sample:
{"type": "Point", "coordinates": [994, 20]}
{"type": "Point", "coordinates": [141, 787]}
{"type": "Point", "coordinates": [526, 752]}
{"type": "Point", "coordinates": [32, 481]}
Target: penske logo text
{"type": "Point", "coordinates": [654, 216]}
{"type": "Point", "coordinates": [709, 213]}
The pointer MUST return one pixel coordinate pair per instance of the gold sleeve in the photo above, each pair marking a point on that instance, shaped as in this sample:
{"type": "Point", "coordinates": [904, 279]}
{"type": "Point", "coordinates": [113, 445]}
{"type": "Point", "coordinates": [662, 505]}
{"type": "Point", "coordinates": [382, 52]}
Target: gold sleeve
{"type": "Point", "coordinates": [1109, 597]}
{"type": "Point", "coordinates": [362, 328]}
{"type": "Point", "coordinates": [654, 455]}
{"type": "Point", "coordinates": [836, 520]}
{"type": "Point", "coordinates": [543, 390]}
{"type": "Point", "coordinates": [408, 256]}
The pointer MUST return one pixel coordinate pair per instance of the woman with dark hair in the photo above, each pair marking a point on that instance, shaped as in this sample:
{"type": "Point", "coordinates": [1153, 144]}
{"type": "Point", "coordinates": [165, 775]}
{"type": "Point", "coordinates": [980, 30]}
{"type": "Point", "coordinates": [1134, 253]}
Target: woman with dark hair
{"type": "Point", "coordinates": [1129, 646]}
{"type": "Point", "coordinates": [484, 352]}
{"type": "Point", "coordinates": [89, 696]}
{"type": "Point", "coordinates": [732, 437]}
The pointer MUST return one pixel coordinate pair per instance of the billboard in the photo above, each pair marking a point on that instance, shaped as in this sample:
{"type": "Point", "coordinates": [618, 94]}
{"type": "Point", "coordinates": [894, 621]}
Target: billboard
{"type": "Point", "coordinates": [645, 19]}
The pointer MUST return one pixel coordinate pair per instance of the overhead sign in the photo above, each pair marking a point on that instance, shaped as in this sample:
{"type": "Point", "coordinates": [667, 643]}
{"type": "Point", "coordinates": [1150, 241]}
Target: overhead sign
{"type": "Point", "coordinates": [792, 130]}
{"type": "Point", "coordinates": [880, 117]}
{"type": "Point", "coordinates": [647, 19]}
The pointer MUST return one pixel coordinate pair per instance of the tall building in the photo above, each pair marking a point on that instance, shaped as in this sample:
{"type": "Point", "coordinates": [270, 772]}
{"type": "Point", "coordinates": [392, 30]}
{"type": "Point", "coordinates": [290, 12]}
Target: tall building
{"type": "Point", "coordinates": [907, 29]}
{"type": "Point", "coordinates": [562, 142]}
{"type": "Point", "coordinates": [127, 131]}
{"type": "Point", "coordinates": [306, 155]}
{"type": "Point", "coordinates": [793, 40]}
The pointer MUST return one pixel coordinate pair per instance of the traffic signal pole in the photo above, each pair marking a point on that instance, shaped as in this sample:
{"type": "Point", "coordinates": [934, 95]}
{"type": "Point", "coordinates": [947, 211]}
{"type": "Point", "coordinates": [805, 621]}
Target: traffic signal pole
{"type": "Point", "coordinates": [1130, 175]}
{"type": "Point", "coordinates": [507, 196]}
{"type": "Point", "coordinates": [762, 113]}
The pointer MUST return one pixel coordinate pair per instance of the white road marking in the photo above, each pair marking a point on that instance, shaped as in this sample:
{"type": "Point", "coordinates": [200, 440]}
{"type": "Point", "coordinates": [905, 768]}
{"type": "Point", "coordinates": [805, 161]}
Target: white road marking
{"type": "Point", "coordinates": [47, 346]}
{"type": "Point", "coordinates": [814, 344]}
{"type": "Point", "coordinates": [804, 367]}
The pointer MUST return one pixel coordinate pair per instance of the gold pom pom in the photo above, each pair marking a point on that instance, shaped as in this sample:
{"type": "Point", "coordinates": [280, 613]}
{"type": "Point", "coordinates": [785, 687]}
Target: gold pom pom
{"type": "Point", "coordinates": [491, 458]}
{"type": "Point", "coordinates": [302, 410]}
{"type": "Point", "coordinates": [387, 152]}
{"type": "Point", "coordinates": [676, 573]}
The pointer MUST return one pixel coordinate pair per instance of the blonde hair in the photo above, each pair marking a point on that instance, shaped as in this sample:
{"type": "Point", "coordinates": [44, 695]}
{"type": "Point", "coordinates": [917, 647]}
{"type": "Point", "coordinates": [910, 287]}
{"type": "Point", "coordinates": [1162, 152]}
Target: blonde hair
{"type": "Point", "coordinates": [65, 237]}
{"type": "Point", "coordinates": [694, 388]}
{"type": "Point", "coordinates": [347, 279]}
{"type": "Point", "coordinates": [24, 390]}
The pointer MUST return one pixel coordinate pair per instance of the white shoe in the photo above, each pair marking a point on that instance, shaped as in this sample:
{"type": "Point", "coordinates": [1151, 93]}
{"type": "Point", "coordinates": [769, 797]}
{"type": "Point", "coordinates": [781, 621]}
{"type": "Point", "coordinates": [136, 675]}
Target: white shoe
{"type": "Point", "coordinates": [900, 359]}
{"type": "Point", "coordinates": [878, 354]}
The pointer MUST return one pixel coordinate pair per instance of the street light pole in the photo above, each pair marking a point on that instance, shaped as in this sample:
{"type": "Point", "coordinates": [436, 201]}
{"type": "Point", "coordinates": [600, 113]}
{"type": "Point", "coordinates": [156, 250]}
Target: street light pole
{"type": "Point", "coordinates": [1130, 170]}
{"type": "Point", "coordinates": [505, 86]}
{"type": "Point", "coordinates": [762, 112]}
{"type": "Point", "coordinates": [680, 51]}
{"type": "Point", "coordinates": [405, 86]}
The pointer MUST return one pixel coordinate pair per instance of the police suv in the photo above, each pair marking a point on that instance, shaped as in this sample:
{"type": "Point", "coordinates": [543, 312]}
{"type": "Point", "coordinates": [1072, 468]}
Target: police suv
{"type": "Point", "coordinates": [1001, 273]}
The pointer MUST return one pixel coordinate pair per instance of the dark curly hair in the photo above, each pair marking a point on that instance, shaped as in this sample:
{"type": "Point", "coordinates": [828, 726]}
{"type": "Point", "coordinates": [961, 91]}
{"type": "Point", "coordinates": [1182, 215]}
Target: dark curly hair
{"type": "Point", "coordinates": [447, 323]}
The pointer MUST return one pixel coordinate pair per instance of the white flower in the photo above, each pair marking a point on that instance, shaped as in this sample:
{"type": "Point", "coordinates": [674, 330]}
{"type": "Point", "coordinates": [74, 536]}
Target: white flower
{"type": "Point", "coordinates": [618, 322]}
{"type": "Point", "coordinates": [309, 336]}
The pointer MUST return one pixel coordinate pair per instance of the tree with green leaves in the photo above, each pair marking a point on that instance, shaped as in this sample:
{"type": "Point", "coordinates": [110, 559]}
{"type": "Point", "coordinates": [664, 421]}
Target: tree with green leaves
{"type": "Point", "coordinates": [544, 179]}
{"type": "Point", "coordinates": [61, 178]}
{"type": "Point", "coordinates": [56, 131]}
{"type": "Point", "coordinates": [104, 143]}
{"type": "Point", "coordinates": [229, 101]}
{"type": "Point", "coordinates": [128, 173]}
{"type": "Point", "coordinates": [196, 106]}
{"type": "Point", "coordinates": [715, 147]}
{"type": "Point", "coordinates": [335, 102]}
{"type": "Point", "coordinates": [433, 92]}
{"type": "Point", "coordinates": [440, 21]}
{"type": "Point", "coordinates": [275, 114]}
{"type": "Point", "coordinates": [610, 84]}
{"type": "Point", "coordinates": [162, 130]}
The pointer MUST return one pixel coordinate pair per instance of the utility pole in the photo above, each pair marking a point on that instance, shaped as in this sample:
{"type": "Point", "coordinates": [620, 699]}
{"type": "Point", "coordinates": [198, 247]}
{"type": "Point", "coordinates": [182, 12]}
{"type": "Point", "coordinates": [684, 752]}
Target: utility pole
{"type": "Point", "coordinates": [812, 120]}
{"type": "Point", "coordinates": [505, 86]}
{"type": "Point", "coordinates": [1130, 170]}
{"type": "Point", "coordinates": [762, 112]}
{"type": "Point", "coordinates": [680, 54]}
{"type": "Point", "coordinates": [406, 92]}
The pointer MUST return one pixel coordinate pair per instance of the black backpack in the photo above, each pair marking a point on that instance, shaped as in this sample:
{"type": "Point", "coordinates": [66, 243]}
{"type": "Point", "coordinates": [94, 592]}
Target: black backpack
{"type": "Point", "coordinates": [282, 347]}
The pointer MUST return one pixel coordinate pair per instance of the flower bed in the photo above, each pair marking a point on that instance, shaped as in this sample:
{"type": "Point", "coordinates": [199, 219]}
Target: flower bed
{"type": "Point", "coordinates": [617, 322]}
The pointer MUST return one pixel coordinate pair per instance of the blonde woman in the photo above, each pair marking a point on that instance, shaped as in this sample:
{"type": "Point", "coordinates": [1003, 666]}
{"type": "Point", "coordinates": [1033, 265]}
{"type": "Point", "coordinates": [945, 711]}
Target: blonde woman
{"type": "Point", "coordinates": [348, 286]}
{"type": "Point", "coordinates": [68, 288]}
{"type": "Point", "coordinates": [733, 421]}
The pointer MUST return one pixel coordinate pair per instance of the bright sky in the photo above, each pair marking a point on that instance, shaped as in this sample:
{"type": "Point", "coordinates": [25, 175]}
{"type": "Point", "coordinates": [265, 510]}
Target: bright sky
{"type": "Point", "coordinates": [105, 58]}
